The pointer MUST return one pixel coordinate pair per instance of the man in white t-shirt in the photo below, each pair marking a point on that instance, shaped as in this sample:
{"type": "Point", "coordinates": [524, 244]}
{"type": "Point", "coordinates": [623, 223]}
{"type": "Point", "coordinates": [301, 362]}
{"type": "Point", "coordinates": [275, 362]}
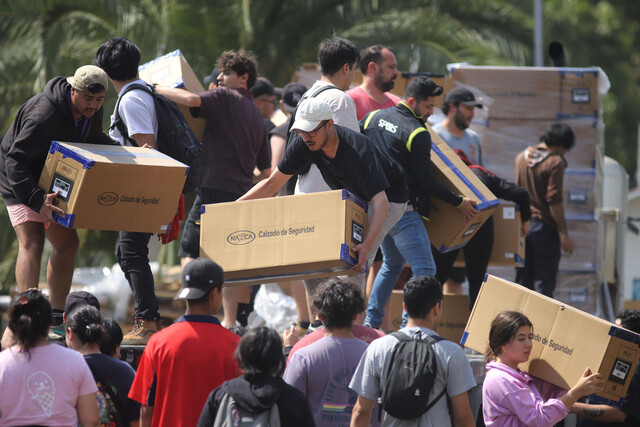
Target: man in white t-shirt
{"type": "Point", "coordinates": [120, 58]}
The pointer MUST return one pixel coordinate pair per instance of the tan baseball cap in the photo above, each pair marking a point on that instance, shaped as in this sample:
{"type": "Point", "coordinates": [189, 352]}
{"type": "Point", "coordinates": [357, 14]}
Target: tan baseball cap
{"type": "Point", "coordinates": [88, 75]}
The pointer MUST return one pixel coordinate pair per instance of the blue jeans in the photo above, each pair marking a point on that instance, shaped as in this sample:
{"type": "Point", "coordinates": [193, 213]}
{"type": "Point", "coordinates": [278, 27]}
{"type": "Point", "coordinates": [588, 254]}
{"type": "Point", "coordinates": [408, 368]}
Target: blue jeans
{"type": "Point", "coordinates": [407, 240]}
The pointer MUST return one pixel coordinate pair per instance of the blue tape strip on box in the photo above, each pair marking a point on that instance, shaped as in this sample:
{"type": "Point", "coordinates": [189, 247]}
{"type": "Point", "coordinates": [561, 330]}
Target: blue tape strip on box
{"type": "Point", "coordinates": [346, 195]}
{"type": "Point", "coordinates": [68, 153]}
{"type": "Point", "coordinates": [463, 340]}
{"type": "Point", "coordinates": [484, 203]}
{"type": "Point", "coordinates": [66, 221]}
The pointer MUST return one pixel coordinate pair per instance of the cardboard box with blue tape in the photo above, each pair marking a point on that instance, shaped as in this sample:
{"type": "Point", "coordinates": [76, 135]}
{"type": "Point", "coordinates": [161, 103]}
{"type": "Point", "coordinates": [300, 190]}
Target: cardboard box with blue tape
{"type": "Point", "coordinates": [173, 70]}
{"type": "Point", "coordinates": [283, 238]}
{"type": "Point", "coordinates": [508, 238]}
{"type": "Point", "coordinates": [110, 187]}
{"type": "Point", "coordinates": [446, 227]}
{"type": "Point", "coordinates": [565, 339]}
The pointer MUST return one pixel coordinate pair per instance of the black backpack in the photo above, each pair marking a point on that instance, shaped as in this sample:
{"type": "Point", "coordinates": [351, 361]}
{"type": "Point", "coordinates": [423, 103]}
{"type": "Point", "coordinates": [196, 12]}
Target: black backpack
{"type": "Point", "coordinates": [408, 376]}
{"type": "Point", "coordinates": [175, 138]}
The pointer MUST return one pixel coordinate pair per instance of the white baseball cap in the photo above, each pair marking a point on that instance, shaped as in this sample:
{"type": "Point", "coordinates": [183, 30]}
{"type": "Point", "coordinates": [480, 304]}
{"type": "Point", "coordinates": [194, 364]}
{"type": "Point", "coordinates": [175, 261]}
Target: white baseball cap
{"type": "Point", "coordinates": [311, 112]}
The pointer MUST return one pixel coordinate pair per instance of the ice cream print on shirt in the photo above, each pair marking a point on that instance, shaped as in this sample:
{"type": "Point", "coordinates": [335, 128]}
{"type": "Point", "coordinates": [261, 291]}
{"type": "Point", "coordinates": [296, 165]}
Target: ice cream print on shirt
{"type": "Point", "coordinates": [42, 389]}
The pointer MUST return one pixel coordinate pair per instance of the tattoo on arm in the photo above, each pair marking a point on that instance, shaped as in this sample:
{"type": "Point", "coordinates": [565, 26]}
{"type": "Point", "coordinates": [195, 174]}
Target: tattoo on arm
{"type": "Point", "coordinates": [595, 413]}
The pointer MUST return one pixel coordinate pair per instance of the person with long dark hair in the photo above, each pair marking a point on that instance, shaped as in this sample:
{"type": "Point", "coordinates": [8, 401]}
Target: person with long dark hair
{"type": "Point", "coordinates": [41, 382]}
{"type": "Point", "coordinates": [85, 332]}
{"type": "Point", "coordinates": [260, 358]}
{"type": "Point", "coordinates": [510, 396]}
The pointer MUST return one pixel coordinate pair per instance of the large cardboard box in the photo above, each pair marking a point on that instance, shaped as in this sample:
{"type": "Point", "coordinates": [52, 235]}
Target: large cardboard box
{"type": "Point", "coordinates": [446, 227]}
{"type": "Point", "coordinates": [579, 194]}
{"type": "Point", "coordinates": [579, 289]}
{"type": "Point", "coordinates": [395, 309]}
{"type": "Point", "coordinates": [508, 237]}
{"type": "Point", "coordinates": [454, 317]}
{"type": "Point", "coordinates": [173, 70]}
{"type": "Point", "coordinates": [282, 238]}
{"type": "Point", "coordinates": [455, 313]}
{"type": "Point", "coordinates": [536, 93]}
{"type": "Point", "coordinates": [110, 187]}
{"type": "Point", "coordinates": [503, 139]}
{"type": "Point", "coordinates": [566, 340]}
{"type": "Point", "coordinates": [584, 235]}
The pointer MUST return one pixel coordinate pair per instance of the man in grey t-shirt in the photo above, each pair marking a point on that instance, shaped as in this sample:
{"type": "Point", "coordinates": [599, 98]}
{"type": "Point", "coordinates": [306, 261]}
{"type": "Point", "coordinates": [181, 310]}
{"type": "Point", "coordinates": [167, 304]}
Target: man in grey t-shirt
{"type": "Point", "coordinates": [423, 304]}
{"type": "Point", "coordinates": [459, 106]}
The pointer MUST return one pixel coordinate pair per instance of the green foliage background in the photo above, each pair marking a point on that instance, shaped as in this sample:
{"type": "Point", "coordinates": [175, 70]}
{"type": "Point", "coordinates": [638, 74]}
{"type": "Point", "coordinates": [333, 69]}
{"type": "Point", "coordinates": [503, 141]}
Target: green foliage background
{"type": "Point", "coordinates": [40, 39]}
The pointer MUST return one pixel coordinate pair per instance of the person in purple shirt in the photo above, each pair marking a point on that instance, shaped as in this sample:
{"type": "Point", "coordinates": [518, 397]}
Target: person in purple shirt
{"type": "Point", "coordinates": [512, 398]}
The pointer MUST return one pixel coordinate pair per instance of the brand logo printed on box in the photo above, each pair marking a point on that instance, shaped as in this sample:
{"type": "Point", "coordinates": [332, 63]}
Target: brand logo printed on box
{"type": "Point", "coordinates": [242, 237]}
{"type": "Point", "coordinates": [108, 198]}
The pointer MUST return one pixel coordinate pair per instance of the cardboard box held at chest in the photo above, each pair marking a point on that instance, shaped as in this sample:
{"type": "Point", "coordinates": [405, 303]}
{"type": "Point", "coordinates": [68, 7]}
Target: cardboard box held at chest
{"type": "Point", "coordinates": [446, 227]}
{"type": "Point", "coordinates": [508, 238]}
{"type": "Point", "coordinates": [284, 238]}
{"type": "Point", "coordinates": [565, 340]}
{"type": "Point", "coordinates": [110, 187]}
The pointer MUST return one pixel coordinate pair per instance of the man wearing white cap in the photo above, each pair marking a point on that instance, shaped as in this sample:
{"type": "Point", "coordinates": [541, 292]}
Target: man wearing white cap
{"type": "Point", "coordinates": [69, 109]}
{"type": "Point", "coordinates": [346, 159]}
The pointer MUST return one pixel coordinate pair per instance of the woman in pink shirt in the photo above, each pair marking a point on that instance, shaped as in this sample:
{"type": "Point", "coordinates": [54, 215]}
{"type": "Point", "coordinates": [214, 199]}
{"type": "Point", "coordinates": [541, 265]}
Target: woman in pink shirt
{"type": "Point", "coordinates": [42, 383]}
{"type": "Point", "coordinates": [510, 397]}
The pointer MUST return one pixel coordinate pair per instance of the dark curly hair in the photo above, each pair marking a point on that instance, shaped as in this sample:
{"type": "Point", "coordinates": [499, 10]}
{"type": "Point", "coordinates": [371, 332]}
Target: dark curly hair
{"type": "Point", "coordinates": [242, 62]}
{"type": "Point", "coordinates": [336, 302]}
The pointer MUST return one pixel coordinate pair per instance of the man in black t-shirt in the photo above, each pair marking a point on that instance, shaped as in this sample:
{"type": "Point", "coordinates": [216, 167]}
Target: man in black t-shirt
{"type": "Point", "coordinates": [348, 160]}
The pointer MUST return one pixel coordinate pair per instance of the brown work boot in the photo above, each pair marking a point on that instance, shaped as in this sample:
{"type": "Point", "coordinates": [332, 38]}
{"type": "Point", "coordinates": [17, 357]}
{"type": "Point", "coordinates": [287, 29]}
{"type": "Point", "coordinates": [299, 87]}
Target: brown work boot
{"type": "Point", "coordinates": [142, 330]}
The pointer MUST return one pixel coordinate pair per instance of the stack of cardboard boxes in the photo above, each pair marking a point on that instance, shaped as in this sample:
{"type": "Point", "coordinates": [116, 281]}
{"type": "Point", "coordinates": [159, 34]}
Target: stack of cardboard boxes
{"type": "Point", "coordinates": [523, 102]}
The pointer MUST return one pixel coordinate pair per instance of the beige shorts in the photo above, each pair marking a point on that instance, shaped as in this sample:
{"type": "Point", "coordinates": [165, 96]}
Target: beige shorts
{"type": "Point", "coordinates": [19, 214]}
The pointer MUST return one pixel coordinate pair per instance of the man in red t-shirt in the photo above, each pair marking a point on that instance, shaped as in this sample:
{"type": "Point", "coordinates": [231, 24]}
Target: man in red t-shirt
{"type": "Point", "coordinates": [379, 71]}
{"type": "Point", "coordinates": [183, 363]}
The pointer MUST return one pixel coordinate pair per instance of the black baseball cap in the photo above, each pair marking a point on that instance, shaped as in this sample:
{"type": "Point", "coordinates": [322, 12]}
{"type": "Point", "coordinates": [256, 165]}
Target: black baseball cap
{"type": "Point", "coordinates": [198, 277]}
{"type": "Point", "coordinates": [463, 96]}
{"type": "Point", "coordinates": [263, 86]}
{"type": "Point", "coordinates": [78, 299]}
{"type": "Point", "coordinates": [291, 95]}
{"type": "Point", "coordinates": [213, 77]}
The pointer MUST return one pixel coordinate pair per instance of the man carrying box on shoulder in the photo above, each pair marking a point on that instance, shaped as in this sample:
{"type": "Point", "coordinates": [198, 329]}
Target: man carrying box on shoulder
{"type": "Point", "coordinates": [69, 109]}
{"type": "Point", "coordinates": [346, 159]}
{"type": "Point", "coordinates": [400, 131]}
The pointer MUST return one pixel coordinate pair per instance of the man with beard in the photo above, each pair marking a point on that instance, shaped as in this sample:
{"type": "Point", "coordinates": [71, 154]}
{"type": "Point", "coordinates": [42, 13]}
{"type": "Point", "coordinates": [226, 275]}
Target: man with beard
{"type": "Point", "coordinates": [379, 71]}
{"type": "Point", "coordinates": [69, 109]}
{"type": "Point", "coordinates": [458, 107]}
{"type": "Point", "coordinates": [400, 132]}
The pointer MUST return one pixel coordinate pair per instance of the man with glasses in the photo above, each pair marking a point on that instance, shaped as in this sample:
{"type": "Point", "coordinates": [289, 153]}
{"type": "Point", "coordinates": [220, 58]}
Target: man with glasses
{"type": "Point", "coordinates": [346, 159]}
{"type": "Point", "coordinates": [265, 97]}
